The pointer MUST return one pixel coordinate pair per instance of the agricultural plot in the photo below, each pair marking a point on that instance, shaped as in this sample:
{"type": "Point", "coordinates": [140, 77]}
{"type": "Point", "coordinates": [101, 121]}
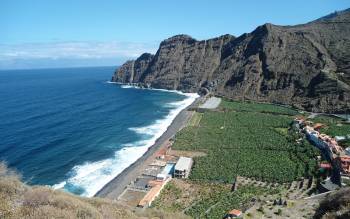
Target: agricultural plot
{"type": "Point", "coordinates": [181, 195]}
{"type": "Point", "coordinates": [250, 140]}
{"type": "Point", "coordinates": [334, 126]}
{"type": "Point", "coordinates": [206, 200]}
{"type": "Point", "coordinates": [218, 204]}
{"type": "Point", "coordinates": [258, 107]}
{"type": "Point", "coordinates": [195, 119]}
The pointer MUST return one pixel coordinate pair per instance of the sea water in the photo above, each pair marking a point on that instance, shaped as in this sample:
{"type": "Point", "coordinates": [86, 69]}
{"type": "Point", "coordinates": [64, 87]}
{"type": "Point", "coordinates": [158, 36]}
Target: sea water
{"type": "Point", "coordinates": [73, 130]}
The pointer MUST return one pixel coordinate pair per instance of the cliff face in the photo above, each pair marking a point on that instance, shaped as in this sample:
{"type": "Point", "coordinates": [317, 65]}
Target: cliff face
{"type": "Point", "coordinates": [307, 66]}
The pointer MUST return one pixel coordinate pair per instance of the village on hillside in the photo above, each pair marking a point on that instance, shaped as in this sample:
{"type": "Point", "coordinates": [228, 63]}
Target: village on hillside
{"type": "Point", "coordinates": [169, 165]}
{"type": "Point", "coordinates": [166, 164]}
{"type": "Point", "coordinates": [336, 159]}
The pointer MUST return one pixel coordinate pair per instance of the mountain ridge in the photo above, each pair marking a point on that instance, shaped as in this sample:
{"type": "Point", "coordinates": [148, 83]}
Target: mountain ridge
{"type": "Point", "coordinates": [306, 66]}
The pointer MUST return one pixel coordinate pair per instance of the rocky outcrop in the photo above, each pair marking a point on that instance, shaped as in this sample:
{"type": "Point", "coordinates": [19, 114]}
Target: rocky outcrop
{"type": "Point", "coordinates": [131, 71]}
{"type": "Point", "coordinates": [307, 66]}
{"type": "Point", "coordinates": [334, 205]}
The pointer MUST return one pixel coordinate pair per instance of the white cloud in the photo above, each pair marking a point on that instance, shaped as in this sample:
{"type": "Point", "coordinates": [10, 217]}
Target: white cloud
{"type": "Point", "coordinates": [74, 50]}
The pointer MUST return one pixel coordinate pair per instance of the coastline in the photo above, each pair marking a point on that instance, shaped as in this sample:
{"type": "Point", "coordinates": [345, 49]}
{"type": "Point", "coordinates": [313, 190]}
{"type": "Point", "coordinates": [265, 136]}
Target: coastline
{"type": "Point", "coordinates": [116, 186]}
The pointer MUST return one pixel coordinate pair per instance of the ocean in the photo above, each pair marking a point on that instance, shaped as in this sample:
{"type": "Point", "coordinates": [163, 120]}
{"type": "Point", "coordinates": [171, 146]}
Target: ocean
{"type": "Point", "coordinates": [72, 129]}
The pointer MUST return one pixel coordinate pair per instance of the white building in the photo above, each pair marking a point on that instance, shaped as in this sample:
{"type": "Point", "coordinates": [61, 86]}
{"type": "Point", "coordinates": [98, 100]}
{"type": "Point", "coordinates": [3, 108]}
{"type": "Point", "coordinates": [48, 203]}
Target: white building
{"type": "Point", "coordinates": [347, 151]}
{"type": "Point", "coordinates": [183, 167]}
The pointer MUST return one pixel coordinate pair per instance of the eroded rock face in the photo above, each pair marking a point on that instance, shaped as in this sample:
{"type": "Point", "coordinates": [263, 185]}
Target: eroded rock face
{"type": "Point", "coordinates": [334, 205]}
{"type": "Point", "coordinates": [307, 66]}
{"type": "Point", "coordinates": [131, 71]}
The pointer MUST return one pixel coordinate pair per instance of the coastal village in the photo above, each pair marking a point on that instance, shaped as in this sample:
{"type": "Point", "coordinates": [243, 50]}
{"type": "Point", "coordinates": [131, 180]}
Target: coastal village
{"type": "Point", "coordinates": [175, 110]}
{"type": "Point", "coordinates": [145, 188]}
{"type": "Point", "coordinates": [167, 164]}
{"type": "Point", "coordinates": [336, 158]}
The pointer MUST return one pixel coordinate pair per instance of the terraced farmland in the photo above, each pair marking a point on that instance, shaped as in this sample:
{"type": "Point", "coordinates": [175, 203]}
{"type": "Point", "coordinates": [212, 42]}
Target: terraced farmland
{"type": "Point", "coordinates": [246, 139]}
{"type": "Point", "coordinates": [218, 204]}
{"type": "Point", "coordinates": [333, 126]}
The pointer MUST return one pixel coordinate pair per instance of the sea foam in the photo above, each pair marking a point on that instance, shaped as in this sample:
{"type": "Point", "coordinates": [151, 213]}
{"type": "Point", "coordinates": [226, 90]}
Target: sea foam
{"type": "Point", "coordinates": [87, 179]}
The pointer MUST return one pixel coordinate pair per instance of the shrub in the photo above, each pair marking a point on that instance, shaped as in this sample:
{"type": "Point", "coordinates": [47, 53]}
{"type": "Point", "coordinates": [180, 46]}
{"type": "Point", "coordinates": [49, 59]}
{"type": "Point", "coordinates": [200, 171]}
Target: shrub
{"type": "Point", "coordinates": [20, 201]}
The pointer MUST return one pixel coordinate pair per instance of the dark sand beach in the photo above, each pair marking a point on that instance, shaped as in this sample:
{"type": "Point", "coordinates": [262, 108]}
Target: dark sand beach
{"type": "Point", "coordinates": [115, 187]}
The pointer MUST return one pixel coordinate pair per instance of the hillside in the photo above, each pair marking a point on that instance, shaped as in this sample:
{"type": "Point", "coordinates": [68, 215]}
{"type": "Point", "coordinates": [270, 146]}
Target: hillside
{"type": "Point", "coordinates": [335, 205]}
{"type": "Point", "coordinates": [18, 200]}
{"type": "Point", "coordinates": [307, 66]}
{"type": "Point", "coordinates": [251, 156]}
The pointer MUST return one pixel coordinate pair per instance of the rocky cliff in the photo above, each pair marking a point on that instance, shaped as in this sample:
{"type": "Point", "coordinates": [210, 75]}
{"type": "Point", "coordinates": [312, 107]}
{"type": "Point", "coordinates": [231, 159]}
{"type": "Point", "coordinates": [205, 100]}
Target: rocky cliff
{"type": "Point", "coordinates": [307, 66]}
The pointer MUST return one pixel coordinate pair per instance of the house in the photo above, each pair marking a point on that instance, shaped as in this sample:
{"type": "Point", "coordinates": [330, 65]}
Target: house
{"type": "Point", "coordinates": [318, 126]}
{"type": "Point", "coordinates": [345, 163]}
{"type": "Point", "coordinates": [183, 167]}
{"type": "Point", "coordinates": [152, 194]}
{"type": "Point", "coordinates": [347, 151]}
{"type": "Point", "coordinates": [234, 213]}
{"type": "Point", "coordinates": [167, 172]}
{"type": "Point", "coordinates": [322, 141]}
{"type": "Point", "coordinates": [340, 138]}
{"type": "Point", "coordinates": [325, 165]}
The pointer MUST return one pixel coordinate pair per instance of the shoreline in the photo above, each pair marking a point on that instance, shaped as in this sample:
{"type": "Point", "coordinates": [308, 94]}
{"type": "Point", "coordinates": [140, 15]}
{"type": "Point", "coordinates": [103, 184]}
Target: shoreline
{"type": "Point", "coordinates": [117, 185]}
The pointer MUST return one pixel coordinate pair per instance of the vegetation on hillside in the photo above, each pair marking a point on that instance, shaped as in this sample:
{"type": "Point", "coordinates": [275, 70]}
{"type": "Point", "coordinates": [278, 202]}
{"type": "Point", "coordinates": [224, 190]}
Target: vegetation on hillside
{"type": "Point", "coordinates": [333, 126]}
{"type": "Point", "coordinates": [335, 205]}
{"type": "Point", "coordinates": [18, 200]}
{"type": "Point", "coordinates": [247, 139]}
{"type": "Point", "coordinates": [218, 204]}
{"type": "Point", "coordinates": [179, 195]}
{"type": "Point", "coordinates": [258, 107]}
{"type": "Point", "coordinates": [207, 200]}
{"type": "Point", "coordinates": [240, 138]}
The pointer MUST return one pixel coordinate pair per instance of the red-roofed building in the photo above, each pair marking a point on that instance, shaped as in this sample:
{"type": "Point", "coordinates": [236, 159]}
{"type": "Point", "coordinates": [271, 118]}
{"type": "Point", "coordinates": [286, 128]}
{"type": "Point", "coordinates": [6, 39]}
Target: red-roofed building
{"type": "Point", "coordinates": [345, 163]}
{"type": "Point", "coordinates": [234, 213]}
{"type": "Point", "coordinates": [317, 126]}
{"type": "Point", "coordinates": [325, 165]}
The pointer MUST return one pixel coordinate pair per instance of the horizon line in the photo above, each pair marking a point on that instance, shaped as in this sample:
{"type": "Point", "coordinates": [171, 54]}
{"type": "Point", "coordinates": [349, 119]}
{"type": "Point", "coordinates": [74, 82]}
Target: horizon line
{"type": "Point", "coordinates": [48, 68]}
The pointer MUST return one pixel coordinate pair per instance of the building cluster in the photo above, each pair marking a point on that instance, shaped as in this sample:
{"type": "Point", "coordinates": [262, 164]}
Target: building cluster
{"type": "Point", "coordinates": [328, 145]}
{"type": "Point", "coordinates": [156, 175]}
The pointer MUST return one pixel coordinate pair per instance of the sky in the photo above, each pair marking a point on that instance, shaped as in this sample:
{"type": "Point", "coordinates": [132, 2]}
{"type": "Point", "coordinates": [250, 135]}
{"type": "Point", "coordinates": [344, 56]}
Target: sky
{"type": "Point", "coordinates": [70, 33]}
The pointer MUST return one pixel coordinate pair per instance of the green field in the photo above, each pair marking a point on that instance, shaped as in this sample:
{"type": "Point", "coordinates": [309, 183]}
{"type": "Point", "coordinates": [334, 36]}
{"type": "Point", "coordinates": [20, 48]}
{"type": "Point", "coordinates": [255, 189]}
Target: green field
{"type": "Point", "coordinates": [240, 138]}
{"type": "Point", "coordinates": [218, 204]}
{"type": "Point", "coordinates": [208, 200]}
{"type": "Point", "coordinates": [195, 120]}
{"type": "Point", "coordinates": [334, 126]}
{"type": "Point", "coordinates": [247, 139]}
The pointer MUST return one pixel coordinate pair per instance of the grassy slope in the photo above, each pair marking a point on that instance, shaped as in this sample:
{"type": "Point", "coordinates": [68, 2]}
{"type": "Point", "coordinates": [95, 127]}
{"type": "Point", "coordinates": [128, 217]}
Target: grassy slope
{"type": "Point", "coordinates": [207, 200]}
{"type": "Point", "coordinates": [247, 139]}
{"type": "Point", "coordinates": [18, 200]}
{"type": "Point", "coordinates": [179, 195]}
{"type": "Point", "coordinates": [334, 126]}
{"type": "Point", "coordinates": [218, 204]}
{"type": "Point", "coordinates": [335, 205]}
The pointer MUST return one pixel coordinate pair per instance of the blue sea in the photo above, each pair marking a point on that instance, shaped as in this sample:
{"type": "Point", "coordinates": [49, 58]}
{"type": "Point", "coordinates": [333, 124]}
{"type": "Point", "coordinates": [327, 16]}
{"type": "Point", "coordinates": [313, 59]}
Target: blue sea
{"type": "Point", "coordinates": [72, 129]}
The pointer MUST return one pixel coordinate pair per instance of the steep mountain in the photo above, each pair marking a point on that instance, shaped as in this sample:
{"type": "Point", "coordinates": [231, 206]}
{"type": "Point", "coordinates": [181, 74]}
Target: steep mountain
{"type": "Point", "coordinates": [307, 66]}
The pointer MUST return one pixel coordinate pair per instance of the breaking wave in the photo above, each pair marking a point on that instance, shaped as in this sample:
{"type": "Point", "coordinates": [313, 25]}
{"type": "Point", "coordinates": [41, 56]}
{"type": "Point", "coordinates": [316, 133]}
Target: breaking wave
{"type": "Point", "coordinates": [87, 179]}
